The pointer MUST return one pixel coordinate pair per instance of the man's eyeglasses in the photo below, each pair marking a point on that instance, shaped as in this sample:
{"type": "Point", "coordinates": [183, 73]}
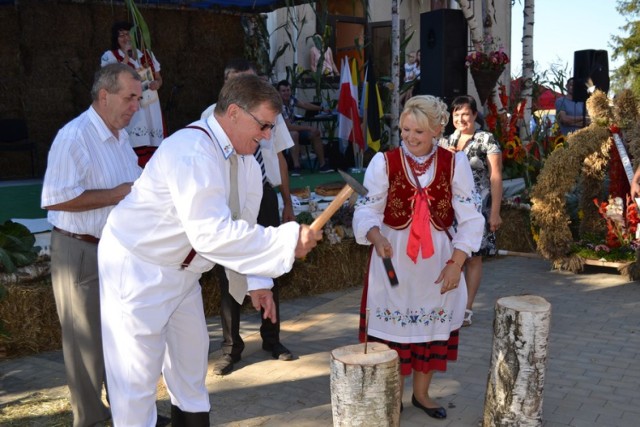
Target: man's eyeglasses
{"type": "Point", "coordinates": [263, 126]}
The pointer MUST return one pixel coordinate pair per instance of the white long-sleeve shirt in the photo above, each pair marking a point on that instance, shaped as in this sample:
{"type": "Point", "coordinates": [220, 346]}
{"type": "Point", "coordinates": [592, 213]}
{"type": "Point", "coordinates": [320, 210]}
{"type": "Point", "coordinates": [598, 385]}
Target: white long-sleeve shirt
{"type": "Point", "coordinates": [182, 201]}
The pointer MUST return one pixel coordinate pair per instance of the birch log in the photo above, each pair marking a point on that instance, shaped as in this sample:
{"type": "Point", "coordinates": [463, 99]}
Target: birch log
{"type": "Point", "coordinates": [365, 388]}
{"type": "Point", "coordinates": [518, 362]}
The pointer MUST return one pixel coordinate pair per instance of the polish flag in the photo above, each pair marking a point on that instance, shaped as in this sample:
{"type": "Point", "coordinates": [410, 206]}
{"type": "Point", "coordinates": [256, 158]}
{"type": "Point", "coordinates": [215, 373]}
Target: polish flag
{"type": "Point", "coordinates": [349, 128]}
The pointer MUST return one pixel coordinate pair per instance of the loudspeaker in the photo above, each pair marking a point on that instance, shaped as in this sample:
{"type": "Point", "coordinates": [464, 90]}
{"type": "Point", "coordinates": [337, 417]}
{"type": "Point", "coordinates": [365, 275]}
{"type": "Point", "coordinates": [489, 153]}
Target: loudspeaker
{"type": "Point", "coordinates": [588, 65]}
{"type": "Point", "coordinates": [443, 49]}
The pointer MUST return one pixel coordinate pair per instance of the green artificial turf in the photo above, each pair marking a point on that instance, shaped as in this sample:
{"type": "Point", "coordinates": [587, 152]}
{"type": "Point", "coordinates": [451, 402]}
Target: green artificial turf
{"type": "Point", "coordinates": [23, 200]}
{"type": "Point", "coordinates": [20, 201]}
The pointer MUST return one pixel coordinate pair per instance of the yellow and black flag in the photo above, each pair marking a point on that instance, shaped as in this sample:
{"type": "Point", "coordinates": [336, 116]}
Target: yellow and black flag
{"type": "Point", "coordinates": [373, 107]}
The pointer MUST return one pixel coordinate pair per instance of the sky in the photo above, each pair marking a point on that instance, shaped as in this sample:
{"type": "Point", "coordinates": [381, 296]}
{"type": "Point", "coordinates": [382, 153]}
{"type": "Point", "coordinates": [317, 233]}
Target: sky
{"type": "Point", "coordinates": [563, 26]}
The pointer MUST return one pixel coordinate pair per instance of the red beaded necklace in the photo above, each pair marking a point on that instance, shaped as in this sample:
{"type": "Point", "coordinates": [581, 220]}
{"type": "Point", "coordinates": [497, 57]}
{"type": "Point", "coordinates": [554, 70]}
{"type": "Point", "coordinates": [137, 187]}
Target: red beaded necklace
{"type": "Point", "coordinates": [420, 168]}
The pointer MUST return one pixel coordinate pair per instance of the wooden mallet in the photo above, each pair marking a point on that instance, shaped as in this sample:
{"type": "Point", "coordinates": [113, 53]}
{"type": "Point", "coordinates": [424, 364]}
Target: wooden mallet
{"type": "Point", "coordinates": [352, 186]}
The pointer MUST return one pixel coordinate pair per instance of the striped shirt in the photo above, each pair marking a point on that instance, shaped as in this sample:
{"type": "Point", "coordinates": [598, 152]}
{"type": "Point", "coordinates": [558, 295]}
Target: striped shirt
{"type": "Point", "coordinates": [86, 156]}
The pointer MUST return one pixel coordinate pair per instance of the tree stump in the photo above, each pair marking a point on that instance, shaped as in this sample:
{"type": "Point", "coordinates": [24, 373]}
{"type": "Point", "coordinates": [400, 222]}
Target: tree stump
{"type": "Point", "coordinates": [365, 388]}
{"type": "Point", "coordinates": [518, 362]}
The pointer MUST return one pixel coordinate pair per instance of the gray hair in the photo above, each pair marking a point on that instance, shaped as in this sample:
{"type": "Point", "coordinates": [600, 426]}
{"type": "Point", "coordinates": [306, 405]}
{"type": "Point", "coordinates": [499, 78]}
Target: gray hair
{"type": "Point", "coordinates": [248, 91]}
{"type": "Point", "coordinates": [429, 111]}
{"type": "Point", "coordinates": [107, 78]}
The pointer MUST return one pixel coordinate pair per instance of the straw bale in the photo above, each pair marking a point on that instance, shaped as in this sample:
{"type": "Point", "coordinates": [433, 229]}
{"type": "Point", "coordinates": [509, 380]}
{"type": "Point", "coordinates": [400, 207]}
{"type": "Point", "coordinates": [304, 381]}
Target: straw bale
{"type": "Point", "coordinates": [30, 320]}
{"type": "Point", "coordinates": [515, 232]}
{"type": "Point", "coordinates": [327, 268]}
{"type": "Point", "coordinates": [46, 43]}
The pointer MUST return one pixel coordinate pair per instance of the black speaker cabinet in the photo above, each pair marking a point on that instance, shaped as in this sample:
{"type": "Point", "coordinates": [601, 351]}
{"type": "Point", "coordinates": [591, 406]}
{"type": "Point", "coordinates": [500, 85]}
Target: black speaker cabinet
{"type": "Point", "coordinates": [588, 65]}
{"type": "Point", "coordinates": [443, 49]}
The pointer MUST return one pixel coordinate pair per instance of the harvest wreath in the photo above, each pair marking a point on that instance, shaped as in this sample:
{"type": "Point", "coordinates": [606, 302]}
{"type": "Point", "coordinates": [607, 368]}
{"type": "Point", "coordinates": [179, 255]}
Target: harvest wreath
{"type": "Point", "coordinates": [588, 154]}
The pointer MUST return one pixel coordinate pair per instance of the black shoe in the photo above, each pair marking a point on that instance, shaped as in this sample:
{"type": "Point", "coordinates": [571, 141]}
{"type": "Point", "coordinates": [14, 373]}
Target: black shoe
{"type": "Point", "coordinates": [278, 351]}
{"type": "Point", "coordinates": [325, 168]}
{"type": "Point", "coordinates": [439, 413]}
{"type": "Point", "coordinates": [224, 365]}
{"type": "Point", "coordinates": [162, 421]}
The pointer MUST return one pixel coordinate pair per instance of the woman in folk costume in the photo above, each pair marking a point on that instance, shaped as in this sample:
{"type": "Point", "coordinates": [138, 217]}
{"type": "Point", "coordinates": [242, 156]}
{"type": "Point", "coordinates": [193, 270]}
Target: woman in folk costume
{"type": "Point", "coordinates": [147, 125]}
{"type": "Point", "coordinates": [417, 192]}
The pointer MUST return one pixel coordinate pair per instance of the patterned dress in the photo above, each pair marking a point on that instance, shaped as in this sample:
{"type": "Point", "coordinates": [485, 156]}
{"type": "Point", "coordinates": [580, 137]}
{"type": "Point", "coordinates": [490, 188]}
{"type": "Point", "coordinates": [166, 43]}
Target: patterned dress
{"type": "Point", "coordinates": [414, 318]}
{"type": "Point", "coordinates": [478, 148]}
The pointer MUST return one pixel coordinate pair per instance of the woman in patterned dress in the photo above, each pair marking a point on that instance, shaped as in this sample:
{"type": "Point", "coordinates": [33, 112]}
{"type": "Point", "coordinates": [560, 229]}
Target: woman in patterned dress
{"type": "Point", "coordinates": [412, 225]}
{"type": "Point", "coordinates": [485, 158]}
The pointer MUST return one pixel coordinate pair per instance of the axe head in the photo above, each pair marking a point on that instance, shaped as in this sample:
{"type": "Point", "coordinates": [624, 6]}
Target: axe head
{"type": "Point", "coordinates": [353, 183]}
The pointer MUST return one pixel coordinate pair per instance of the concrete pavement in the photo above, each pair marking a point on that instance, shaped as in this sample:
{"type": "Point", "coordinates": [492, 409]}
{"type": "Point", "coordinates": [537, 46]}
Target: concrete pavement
{"type": "Point", "coordinates": [592, 377]}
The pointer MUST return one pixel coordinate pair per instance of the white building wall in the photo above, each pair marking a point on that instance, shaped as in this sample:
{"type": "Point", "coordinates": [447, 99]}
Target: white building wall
{"type": "Point", "coordinates": [306, 23]}
{"type": "Point", "coordinates": [380, 10]}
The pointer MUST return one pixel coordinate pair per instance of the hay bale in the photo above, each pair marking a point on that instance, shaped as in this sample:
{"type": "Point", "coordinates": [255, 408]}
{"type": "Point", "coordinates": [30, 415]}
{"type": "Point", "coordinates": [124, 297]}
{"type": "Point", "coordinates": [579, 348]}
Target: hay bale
{"type": "Point", "coordinates": [30, 319]}
{"type": "Point", "coordinates": [515, 232]}
{"type": "Point", "coordinates": [49, 89]}
{"type": "Point", "coordinates": [327, 268]}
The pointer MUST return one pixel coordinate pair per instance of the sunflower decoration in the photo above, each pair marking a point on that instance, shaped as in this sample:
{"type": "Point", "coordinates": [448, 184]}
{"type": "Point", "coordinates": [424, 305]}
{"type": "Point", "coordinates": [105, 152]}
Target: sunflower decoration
{"type": "Point", "coordinates": [509, 150]}
{"type": "Point", "coordinates": [558, 142]}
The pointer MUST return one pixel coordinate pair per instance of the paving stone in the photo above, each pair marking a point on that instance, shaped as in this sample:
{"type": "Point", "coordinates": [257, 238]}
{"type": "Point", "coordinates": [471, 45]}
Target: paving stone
{"type": "Point", "coordinates": [592, 377]}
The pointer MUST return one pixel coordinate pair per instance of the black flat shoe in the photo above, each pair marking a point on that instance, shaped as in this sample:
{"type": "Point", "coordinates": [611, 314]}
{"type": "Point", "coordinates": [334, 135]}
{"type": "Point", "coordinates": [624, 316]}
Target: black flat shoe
{"type": "Point", "coordinates": [278, 351]}
{"type": "Point", "coordinates": [439, 413]}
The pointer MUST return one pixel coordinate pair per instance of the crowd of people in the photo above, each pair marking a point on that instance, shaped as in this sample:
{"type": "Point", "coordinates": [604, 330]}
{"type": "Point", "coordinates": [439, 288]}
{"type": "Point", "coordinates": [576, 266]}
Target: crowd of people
{"type": "Point", "coordinates": [130, 241]}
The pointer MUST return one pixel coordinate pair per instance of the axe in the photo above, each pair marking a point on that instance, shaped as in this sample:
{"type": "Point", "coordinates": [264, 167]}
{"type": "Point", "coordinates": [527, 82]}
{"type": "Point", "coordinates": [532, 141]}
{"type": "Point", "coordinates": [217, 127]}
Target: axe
{"type": "Point", "coordinates": [352, 186]}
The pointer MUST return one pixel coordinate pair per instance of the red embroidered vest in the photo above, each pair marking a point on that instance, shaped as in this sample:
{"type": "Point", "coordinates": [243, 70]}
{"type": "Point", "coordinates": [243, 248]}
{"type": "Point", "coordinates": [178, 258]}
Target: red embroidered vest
{"type": "Point", "coordinates": [399, 209]}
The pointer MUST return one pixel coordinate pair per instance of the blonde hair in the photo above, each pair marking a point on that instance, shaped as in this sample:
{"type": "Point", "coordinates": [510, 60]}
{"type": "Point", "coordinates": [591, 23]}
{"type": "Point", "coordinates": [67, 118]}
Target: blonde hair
{"type": "Point", "coordinates": [429, 111]}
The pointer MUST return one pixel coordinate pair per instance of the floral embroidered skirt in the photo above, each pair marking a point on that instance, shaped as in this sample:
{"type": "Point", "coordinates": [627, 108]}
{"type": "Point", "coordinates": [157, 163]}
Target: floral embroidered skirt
{"type": "Point", "coordinates": [412, 318]}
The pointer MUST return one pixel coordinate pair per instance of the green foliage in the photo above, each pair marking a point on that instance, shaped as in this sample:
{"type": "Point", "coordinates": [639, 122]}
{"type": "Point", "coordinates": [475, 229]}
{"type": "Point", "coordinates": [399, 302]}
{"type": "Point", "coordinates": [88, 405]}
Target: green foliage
{"type": "Point", "coordinates": [554, 78]}
{"type": "Point", "coordinates": [596, 249]}
{"type": "Point", "coordinates": [141, 37]}
{"type": "Point", "coordinates": [304, 218]}
{"type": "Point", "coordinates": [628, 74]}
{"type": "Point", "coordinates": [16, 247]}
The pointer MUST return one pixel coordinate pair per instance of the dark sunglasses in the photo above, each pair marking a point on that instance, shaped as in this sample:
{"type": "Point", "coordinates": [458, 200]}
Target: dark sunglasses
{"type": "Point", "coordinates": [263, 126]}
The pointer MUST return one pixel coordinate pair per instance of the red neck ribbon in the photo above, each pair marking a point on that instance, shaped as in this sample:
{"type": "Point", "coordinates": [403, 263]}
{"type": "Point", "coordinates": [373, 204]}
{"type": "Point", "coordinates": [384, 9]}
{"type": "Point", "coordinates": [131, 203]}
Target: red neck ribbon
{"type": "Point", "coordinates": [420, 231]}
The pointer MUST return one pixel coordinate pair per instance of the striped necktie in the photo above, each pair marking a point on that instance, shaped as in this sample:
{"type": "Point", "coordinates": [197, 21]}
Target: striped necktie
{"type": "Point", "coordinates": [258, 156]}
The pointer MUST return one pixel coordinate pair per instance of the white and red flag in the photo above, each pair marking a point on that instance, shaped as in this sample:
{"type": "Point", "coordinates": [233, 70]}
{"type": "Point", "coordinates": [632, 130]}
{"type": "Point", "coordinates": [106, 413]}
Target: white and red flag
{"type": "Point", "coordinates": [349, 127]}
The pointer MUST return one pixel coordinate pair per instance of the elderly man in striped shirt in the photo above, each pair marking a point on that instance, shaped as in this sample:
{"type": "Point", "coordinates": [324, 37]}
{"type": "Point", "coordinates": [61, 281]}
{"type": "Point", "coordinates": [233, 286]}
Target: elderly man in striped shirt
{"type": "Point", "coordinates": [91, 168]}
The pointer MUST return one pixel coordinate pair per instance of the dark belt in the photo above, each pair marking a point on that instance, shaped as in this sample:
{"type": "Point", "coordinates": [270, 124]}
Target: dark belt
{"type": "Point", "coordinates": [84, 237]}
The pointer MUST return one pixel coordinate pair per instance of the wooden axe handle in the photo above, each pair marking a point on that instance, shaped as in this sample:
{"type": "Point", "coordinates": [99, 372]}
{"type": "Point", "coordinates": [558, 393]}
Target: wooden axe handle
{"type": "Point", "coordinates": [342, 197]}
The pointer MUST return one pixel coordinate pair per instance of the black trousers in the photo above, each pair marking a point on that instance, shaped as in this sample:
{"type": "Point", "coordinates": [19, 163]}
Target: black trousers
{"type": "Point", "coordinates": [232, 344]}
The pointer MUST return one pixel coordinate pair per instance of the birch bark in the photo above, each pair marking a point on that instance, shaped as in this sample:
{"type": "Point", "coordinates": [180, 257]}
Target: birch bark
{"type": "Point", "coordinates": [518, 362]}
{"type": "Point", "coordinates": [527, 63]}
{"type": "Point", "coordinates": [474, 26]}
{"type": "Point", "coordinates": [365, 388]}
{"type": "Point", "coordinates": [395, 74]}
